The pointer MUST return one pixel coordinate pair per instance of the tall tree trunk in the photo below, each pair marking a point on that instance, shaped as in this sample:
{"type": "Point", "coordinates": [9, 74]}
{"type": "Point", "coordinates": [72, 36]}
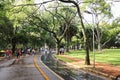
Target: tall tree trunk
{"type": "Point", "coordinates": [77, 44]}
{"type": "Point", "coordinates": [86, 42]}
{"type": "Point", "coordinates": [68, 44]}
{"type": "Point", "coordinates": [99, 46]}
{"type": "Point", "coordinates": [58, 47]}
{"type": "Point", "coordinates": [99, 38]}
{"type": "Point", "coordinates": [87, 61]}
{"type": "Point", "coordinates": [13, 45]}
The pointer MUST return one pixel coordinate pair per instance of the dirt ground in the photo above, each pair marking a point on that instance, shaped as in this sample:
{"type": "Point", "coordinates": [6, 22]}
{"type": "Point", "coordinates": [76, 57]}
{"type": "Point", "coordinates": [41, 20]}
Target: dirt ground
{"type": "Point", "coordinates": [106, 70]}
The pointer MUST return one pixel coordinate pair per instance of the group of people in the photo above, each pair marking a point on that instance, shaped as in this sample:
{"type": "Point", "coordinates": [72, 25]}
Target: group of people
{"type": "Point", "coordinates": [20, 52]}
{"type": "Point", "coordinates": [28, 51]}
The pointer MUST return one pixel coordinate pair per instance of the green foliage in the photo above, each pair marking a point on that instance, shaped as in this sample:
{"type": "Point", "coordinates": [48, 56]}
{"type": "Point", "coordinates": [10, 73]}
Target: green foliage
{"type": "Point", "coordinates": [110, 31]}
{"type": "Point", "coordinates": [117, 42]}
{"type": "Point", "coordinates": [71, 31]}
{"type": "Point", "coordinates": [101, 11]}
{"type": "Point", "coordinates": [20, 18]}
{"type": "Point", "coordinates": [68, 24]}
{"type": "Point", "coordinates": [63, 58]}
{"type": "Point", "coordinates": [6, 27]}
{"type": "Point", "coordinates": [20, 38]}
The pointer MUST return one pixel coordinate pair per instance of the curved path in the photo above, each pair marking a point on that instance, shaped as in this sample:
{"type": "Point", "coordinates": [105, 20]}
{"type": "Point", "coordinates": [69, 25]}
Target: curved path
{"type": "Point", "coordinates": [47, 73]}
{"type": "Point", "coordinates": [28, 68]}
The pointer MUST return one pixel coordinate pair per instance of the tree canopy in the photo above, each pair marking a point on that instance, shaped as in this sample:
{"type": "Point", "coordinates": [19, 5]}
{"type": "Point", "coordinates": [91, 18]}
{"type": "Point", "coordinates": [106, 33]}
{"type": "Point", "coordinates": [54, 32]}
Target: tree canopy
{"type": "Point", "coordinates": [56, 23]}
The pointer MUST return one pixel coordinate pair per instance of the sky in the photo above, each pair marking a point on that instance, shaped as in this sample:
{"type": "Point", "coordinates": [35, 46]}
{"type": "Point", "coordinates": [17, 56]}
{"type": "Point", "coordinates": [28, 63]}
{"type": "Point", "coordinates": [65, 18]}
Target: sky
{"type": "Point", "coordinates": [116, 9]}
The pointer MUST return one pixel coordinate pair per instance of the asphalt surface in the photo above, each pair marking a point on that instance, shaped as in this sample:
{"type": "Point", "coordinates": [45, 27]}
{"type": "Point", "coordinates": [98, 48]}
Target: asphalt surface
{"type": "Point", "coordinates": [24, 69]}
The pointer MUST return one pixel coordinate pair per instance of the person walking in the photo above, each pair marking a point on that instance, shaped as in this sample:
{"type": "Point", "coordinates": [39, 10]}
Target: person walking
{"type": "Point", "coordinates": [33, 51]}
{"type": "Point", "coordinates": [17, 53]}
{"type": "Point", "coordinates": [45, 54]}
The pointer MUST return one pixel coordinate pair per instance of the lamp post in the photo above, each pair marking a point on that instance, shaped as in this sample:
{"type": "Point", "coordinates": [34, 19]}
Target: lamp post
{"type": "Point", "coordinates": [93, 40]}
{"type": "Point", "coordinates": [88, 12]}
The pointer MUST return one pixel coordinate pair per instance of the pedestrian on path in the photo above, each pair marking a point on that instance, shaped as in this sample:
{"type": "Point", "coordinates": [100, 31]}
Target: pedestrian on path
{"type": "Point", "coordinates": [18, 53]}
{"type": "Point", "coordinates": [45, 54]}
{"type": "Point", "coordinates": [33, 51]}
{"type": "Point", "coordinates": [8, 53]}
{"type": "Point", "coordinates": [28, 51]}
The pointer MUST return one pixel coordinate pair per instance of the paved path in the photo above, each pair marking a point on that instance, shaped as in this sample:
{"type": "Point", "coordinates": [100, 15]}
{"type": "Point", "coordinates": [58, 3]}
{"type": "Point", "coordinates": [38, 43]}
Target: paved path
{"type": "Point", "coordinates": [25, 69]}
{"type": "Point", "coordinates": [48, 72]}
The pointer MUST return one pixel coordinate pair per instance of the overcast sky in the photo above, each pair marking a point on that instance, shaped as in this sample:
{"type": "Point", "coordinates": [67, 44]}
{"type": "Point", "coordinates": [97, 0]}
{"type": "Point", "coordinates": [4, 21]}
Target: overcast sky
{"type": "Point", "coordinates": [116, 9]}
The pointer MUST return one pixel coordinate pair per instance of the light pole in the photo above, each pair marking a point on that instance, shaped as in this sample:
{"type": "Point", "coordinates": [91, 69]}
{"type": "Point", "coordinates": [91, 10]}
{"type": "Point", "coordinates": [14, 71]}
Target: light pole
{"type": "Point", "coordinates": [93, 40]}
{"type": "Point", "coordinates": [88, 12]}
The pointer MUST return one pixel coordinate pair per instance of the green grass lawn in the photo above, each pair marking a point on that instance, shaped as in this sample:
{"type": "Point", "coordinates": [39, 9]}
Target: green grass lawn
{"type": "Point", "coordinates": [110, 56]}
{"type": "Point", "coordinates": [64, 59]}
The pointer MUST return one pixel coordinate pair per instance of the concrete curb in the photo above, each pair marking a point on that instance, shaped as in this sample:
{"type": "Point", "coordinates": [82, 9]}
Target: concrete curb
{"type": "Point", "coordinates": [51, 70]}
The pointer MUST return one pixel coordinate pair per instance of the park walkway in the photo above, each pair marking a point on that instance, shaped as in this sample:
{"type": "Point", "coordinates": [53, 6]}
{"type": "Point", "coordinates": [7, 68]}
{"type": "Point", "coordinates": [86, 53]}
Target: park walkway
{"type": "Point", "coordinates": [106, 70]}
{"type": "Point", "coordinates": [29, 67]}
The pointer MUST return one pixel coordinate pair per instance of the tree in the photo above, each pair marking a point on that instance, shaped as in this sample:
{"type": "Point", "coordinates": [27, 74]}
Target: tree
{"type": "Point", "coordinates": [42, 22]}
{"type": "Point", "coordinates": [6, 31]}
{"type": "Point", "coordinates": [19, 13]}
{"type": "Point", "coordinates": [54, 22]}
{"type": "Point", "coordinates": [102, 12]}
{"type": "Point", "coordinates": [72, 31]}
{"type": "Point", "coordinates": [6, 26]}
{"type": "Point", "coordinates": [118, 41]}
{"type": "Point", "coordinates": [114, 32]}
{"type": "Point", "coordinates": [69, 22]}
{"type": "Point", "coordinates": [87, 59]}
